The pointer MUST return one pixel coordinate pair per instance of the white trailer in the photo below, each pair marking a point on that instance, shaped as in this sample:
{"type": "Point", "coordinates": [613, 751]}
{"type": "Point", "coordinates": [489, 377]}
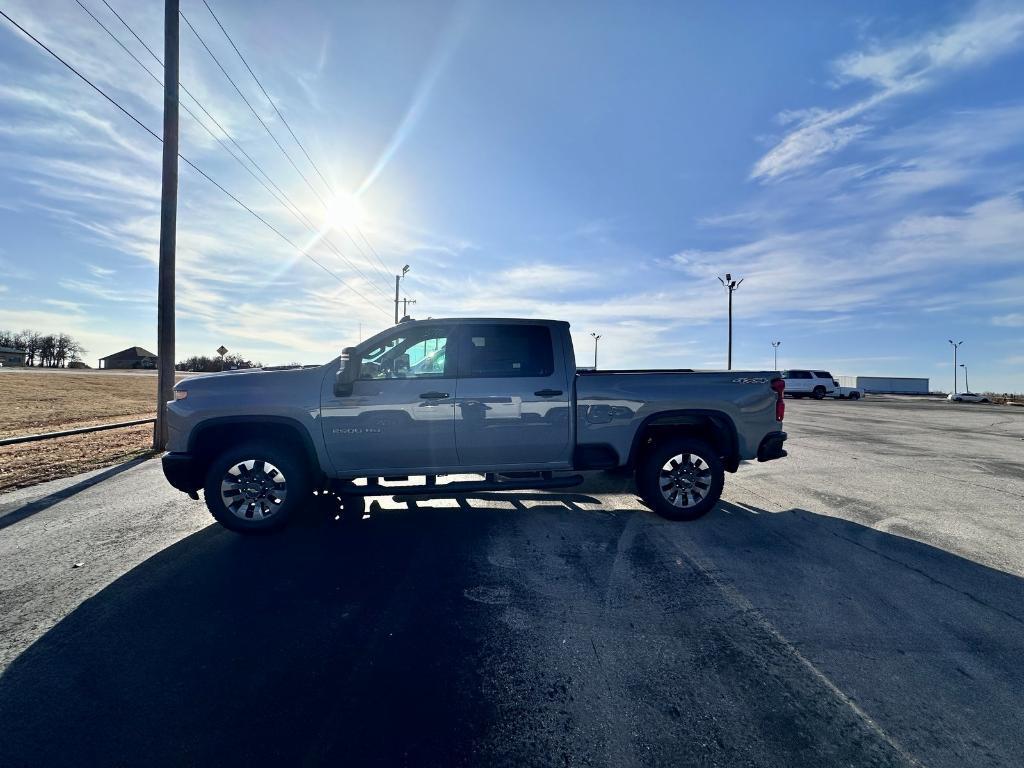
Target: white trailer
{"type": "Point", "coordinates": [892, 385]}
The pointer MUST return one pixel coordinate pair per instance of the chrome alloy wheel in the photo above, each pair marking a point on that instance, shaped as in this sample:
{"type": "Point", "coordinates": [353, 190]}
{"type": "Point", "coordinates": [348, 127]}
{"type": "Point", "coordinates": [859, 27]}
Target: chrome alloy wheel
{"type": "Point", "coordinates": [685, 480]}
{"type": "Point", "coordinates": [253, 489]}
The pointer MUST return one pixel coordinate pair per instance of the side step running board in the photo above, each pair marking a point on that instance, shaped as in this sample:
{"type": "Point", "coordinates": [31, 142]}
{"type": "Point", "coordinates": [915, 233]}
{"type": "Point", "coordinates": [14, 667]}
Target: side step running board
{"type": "Point", "coordinates": [447, 490]}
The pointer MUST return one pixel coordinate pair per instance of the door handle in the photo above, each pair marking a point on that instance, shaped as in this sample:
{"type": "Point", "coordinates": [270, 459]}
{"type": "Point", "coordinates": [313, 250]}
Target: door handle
{"type": "Point", "coordinates": [434, 395]}
{"type": "Point", "coordinates": [548, 392]}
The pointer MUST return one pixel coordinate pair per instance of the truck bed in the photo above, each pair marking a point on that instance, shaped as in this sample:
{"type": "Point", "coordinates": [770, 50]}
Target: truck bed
{"type": "Point", "coordinates": [613, 406]}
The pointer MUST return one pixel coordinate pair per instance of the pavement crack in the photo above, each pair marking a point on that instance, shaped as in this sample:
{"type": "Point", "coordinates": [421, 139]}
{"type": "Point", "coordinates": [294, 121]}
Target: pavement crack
{"type": "Point", "coordinates": [932, 579]}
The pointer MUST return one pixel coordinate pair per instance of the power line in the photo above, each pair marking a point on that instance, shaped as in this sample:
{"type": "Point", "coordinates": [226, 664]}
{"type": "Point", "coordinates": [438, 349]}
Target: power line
{"type": "Point", "coordinates": [86, 80]}
{"type": "Point", "coordinates": [286, 202]}
{"type": "Point", "coordinates": [253, 110]}
{"type": "Point", "coordinates": [323, 178]}
{"type": "Point", "coordinates": [283, 151]}
{"type": "Point", "coordinates": [264, 92]}
{"type": "Point", "coordinates": [184, 159]}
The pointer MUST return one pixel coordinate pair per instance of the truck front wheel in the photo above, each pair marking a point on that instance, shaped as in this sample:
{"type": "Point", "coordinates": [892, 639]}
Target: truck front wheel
{"type": "Point", "coordinates": [255, 487]}
{"type": "Point", "coordinates": [681, 479]}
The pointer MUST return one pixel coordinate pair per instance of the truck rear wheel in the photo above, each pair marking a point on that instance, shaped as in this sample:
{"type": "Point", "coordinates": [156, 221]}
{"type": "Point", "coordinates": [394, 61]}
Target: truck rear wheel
{"type": "Point", "coordinates": [681, 478]}
{"type": "Point", "coordinates": [255, 487]}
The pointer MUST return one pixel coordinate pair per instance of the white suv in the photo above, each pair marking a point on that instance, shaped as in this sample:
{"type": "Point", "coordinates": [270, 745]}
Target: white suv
{"type": "Point", "coordinates": [816, 384]}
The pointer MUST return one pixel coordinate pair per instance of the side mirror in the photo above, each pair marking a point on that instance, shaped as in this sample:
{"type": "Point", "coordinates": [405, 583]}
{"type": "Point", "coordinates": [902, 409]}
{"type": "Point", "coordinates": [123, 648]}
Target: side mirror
{"type": "Point", "coordinates": [347, 373]}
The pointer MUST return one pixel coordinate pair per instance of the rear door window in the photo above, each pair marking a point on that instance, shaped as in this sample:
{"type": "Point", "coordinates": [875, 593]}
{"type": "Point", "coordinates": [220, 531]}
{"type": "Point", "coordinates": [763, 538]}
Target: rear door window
{"type": "Point", "coordinates": [503, 351]}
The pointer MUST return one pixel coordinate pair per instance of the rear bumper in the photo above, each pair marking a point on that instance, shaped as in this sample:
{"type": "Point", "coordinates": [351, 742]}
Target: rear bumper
{"type": "Point", "coordinates": [771, 447]}
{"type": "Point", "coordinates": [182, 471]}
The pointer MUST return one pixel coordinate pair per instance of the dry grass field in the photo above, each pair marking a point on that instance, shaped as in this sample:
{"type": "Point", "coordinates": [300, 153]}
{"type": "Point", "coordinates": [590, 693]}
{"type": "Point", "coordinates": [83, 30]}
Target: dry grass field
{"type": "Point", "coordinates": [48, 401]}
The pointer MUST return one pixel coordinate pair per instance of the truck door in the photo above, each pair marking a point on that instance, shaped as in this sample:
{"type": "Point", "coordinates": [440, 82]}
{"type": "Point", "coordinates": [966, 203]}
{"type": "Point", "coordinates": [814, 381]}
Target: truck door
{"type": "Point", "coordinates": [401, 413]}
{"type": "Point", "coordinates": [513, 398]}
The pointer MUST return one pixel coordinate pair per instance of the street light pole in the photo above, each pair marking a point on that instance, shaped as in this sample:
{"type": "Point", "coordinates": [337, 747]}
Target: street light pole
{"type": "Point", "coordinates": [967, 382]}
{"type": "Point", "coordinates": [956, 346]}
{"type": "Point", "coordinates": [597, 338]}
{"type": "Point", "coordinates": [775, 346]}
{"type": "Point", "coordinates": [730, 285]}
{"type": "Point", "coordinates": [398, 280]}
{"type": "Point", "coordinates": [405, 306]}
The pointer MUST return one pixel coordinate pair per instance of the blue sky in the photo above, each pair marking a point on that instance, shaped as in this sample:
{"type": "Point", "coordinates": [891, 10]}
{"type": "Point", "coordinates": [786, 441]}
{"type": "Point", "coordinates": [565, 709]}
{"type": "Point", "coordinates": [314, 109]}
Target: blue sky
{"type": "Point", "coordinates": [860, 168]}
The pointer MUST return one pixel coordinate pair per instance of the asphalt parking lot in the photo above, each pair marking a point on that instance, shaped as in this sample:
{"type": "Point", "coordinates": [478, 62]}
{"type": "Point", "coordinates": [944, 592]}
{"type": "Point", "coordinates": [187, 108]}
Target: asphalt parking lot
{"type": "Point", "coordinates": [858, 603]}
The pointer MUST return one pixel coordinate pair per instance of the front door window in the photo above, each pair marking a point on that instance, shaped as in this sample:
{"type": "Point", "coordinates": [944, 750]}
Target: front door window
{"type": "Point", "coordinates": [422, 353]}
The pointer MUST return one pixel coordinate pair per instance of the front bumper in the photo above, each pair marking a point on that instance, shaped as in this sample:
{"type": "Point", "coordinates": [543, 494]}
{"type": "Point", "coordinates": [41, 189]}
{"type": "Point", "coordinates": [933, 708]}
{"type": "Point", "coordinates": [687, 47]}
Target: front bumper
{"type": "Point", "coordinates": [182, 471]}
{"type": "Point", "coordinates": [771, 447]}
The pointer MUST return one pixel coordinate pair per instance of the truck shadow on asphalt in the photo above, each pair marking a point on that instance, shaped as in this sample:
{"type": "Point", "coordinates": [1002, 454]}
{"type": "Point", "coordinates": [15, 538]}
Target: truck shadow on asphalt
{"type": "Point", "coordinates": [378, 642]}
{"type": "Point", "coordinates": [18, 513]}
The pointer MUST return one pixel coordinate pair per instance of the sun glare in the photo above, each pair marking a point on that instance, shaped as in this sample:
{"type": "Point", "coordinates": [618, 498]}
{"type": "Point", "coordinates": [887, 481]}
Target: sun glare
{"type": "Point", "coordinates": [344, 212]}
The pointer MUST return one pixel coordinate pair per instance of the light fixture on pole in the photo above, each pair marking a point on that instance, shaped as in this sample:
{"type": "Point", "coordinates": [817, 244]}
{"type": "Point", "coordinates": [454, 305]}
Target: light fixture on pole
{"type": "Point", "coordinates": [775, 346]}
{"type": "Point", "coordinates": [398, 280]}
{"type": "Point", "coordinates": [597, 337]}
{"type": "Point", "coordinates": [967, 382]}
{"type": "Point", "coordinates": [730, 285]}
{"type": "Point", "coordinates": [956, 346]}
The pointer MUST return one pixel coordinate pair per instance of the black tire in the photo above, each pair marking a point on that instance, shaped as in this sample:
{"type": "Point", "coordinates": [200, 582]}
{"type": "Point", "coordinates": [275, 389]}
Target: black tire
{"type": "Point", "coordinates": [818, 393]}
{"type": "Point", "coordinates": [266, 513]}
{"type": "Point", "coordinates": [649, 478]}
{"type": "Point", "coordinates": [855, 395]}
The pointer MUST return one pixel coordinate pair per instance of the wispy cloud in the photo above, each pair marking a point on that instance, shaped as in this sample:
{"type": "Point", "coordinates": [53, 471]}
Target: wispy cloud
{"type": "Point", "coordinates": [894, 70]}
{"type": "Point", "coordinates": [1012, 320]}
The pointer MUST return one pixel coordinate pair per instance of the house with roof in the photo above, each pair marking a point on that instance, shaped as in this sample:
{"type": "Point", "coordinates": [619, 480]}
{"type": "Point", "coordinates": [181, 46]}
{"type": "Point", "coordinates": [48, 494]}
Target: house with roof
{"type": "Point", "coordinates": [11, 357]}
{"type": "Point", "coordinates": [133, 357]}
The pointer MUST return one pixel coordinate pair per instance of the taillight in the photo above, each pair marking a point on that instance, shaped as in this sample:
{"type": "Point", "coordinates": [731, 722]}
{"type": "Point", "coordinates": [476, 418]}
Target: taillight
{"type": "Point", "coordinates": [780, 404]}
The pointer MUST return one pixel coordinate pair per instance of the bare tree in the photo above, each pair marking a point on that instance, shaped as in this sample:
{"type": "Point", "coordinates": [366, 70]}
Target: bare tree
{"type": "Point", "coordinates": [44, 350]}
{"type": "Point", "coordinates": [30, 341]}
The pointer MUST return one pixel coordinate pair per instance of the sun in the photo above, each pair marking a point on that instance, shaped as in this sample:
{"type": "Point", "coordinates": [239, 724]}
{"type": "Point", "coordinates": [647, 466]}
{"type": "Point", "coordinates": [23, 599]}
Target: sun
{"type": "Point", "coordinates": [344, 212]}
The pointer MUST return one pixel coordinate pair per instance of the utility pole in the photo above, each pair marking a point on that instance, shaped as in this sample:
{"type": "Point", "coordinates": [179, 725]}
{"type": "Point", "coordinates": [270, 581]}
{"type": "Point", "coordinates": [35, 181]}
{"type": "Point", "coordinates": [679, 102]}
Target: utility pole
{"type": "Point", "coordinates": [597, 338]}
{"type": "Point", "coordinates": [967, 383]}
{"type": "Point", "coordinates": [398, 280]}
{"type": "Point", "coordinates": [775, 345]}
{"type": "Point", "coordinates": [405, 306]}
{"type": "Point", "coordinates": [956, 346]}
{"type": "Point", "coordinates": [730, 285]}
{"type": "Point", "coordinates": [168, 227]}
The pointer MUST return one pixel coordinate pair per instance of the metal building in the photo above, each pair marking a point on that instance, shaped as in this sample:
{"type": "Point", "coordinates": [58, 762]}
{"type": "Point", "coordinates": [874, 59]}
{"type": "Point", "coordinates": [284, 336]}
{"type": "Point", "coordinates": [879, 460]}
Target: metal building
{"type": "Point", "coordinates": [887, 385]}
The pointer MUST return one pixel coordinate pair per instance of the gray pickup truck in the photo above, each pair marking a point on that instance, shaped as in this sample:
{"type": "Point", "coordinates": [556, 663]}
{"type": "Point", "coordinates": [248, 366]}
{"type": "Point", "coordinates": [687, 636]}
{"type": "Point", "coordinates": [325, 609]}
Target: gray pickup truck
{"type": "Point", "coordinates": [493, 397]}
